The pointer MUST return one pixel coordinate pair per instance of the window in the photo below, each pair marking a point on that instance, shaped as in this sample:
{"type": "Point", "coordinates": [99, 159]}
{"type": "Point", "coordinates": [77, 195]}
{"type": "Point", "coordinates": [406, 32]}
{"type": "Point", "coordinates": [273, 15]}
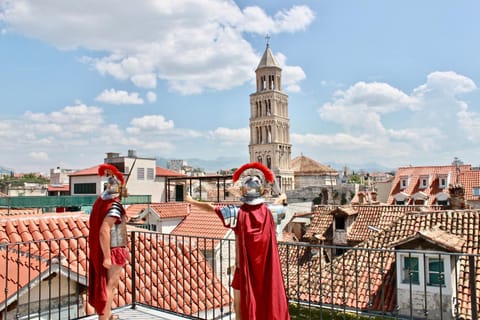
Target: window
{"type": "Point", "coordinates": [140, 173]}
{"type": "Point", "coordinates": [150, 175]}
{"type": "Point", "coordinates": [423, 182]}
{"type": "Point", "coordinates": [420, 272]}
{"type": "Point", "coordinates": [476, 191]}
{"type": "Point", "coordinates": [436, 272]}
{"type": "Point", "coordinates": [442, 181]}
{"type": "Point", "coordinates": [410, 270]}
{"type": "Point", "coordinates": [339, 223]}
{"type": "Point", "coordinates": [85, 188]}
{"type": "Point", "coordinates": [403, 183]}
{"type": "Point", "coordinates": [400, 202]}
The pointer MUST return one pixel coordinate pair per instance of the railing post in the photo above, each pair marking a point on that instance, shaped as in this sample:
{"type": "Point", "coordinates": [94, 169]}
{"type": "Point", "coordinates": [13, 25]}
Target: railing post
{"type": "Point", "coordinates": [473, 288]}
{"type": "Point", "coordinates": [134, 275]}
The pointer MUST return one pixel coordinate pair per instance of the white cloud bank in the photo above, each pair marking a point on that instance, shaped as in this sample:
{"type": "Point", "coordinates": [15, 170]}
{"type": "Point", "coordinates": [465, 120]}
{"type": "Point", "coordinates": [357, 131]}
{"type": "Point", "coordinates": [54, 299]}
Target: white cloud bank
{"type": "Point", "coordinates": [194, 45]}
{"type": "Point", "coordinates": [384, 124]}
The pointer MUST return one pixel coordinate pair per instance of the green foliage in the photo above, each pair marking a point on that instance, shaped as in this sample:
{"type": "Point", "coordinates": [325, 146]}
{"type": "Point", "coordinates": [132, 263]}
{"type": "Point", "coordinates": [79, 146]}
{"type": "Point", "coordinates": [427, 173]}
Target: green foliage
{"type": "Point", "coordinates": [26, 178]}
{"type": "Point", "coordinates": [355, 178]}
{"type": "Point", "coordinates": [301, 312]}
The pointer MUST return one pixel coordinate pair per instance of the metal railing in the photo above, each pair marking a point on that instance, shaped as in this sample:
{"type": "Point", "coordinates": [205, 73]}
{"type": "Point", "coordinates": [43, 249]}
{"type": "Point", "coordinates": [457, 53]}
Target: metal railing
{"type": "Point", "coordinates": [62, 201]}
{"type": "Point", "coordinates": [190, 276]}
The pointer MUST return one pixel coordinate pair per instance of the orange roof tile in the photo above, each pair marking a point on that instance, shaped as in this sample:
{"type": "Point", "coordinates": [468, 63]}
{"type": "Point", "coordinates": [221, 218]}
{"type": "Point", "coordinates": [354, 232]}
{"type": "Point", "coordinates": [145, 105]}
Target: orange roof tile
{"type": "Point", "coordinates": [167, 210]}
{"type": "Point", "coordinates": [162, 172]}
{"type": "Point", "coordinates": [202, 223]}
{"type": "Point", "coordinates": [22, 211]}
{"type": "Point", "coordinates": [363, 278]}
{"type": "Point", "coordinates": [92, 171]}
{"type": "Point", "coordinates": [465, 176]}
{"type": "Point", "coordinates": [321, 221]}
{"type": "Point", "coordinates": [64, 187]}
{"type": "Point", "coordinates": [166, 267]}
{"type": "Point", "coordinates": [133, 210]}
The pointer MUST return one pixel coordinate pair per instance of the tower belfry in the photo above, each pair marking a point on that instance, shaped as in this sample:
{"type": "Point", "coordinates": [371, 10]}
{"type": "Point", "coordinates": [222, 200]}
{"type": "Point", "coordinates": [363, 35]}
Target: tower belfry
{"type": "Point", "coordinates": [269, 122]}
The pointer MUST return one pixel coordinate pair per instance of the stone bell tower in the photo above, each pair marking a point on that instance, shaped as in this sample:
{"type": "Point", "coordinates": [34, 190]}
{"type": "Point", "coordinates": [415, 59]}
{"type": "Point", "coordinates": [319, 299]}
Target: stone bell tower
{"type": "Point", "coordinates": [269, 122]}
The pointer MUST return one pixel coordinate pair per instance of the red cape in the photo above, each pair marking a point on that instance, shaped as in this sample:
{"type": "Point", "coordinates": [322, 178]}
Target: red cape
{"type": "Point", "coordinates": [97, 274]}
{"type": "Point", "coordinates": [261, 282]}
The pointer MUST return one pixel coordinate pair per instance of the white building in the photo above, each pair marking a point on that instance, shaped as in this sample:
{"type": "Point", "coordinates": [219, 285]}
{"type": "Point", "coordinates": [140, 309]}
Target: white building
{"type": "Point", "coordinates": [142, 177]}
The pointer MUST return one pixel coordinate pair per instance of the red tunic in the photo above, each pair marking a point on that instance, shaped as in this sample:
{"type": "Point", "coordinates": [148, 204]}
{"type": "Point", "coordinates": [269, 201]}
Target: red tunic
{"type": "Point", "coordinates": [259, 275]}
{"type": "Point", "coordinates": [97, 279]}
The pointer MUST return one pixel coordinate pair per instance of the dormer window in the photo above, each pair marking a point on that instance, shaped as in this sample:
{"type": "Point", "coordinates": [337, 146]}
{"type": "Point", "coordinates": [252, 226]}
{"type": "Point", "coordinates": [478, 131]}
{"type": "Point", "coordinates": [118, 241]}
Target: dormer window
{"type": "Point", "coordinates": [442, 181]}
{"type": "Point", "coordinates": [423, 182]}
{"type": "Point", "coordinates": [339, 223]}
{"type": "Point", "coordinates": [401, 199]}
{"type": "Point", "coordinates": [403, 182]}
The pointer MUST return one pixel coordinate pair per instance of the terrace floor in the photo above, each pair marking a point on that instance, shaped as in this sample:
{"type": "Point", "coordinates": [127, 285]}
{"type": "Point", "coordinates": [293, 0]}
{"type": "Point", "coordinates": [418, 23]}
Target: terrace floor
{"type": "Point", "coordinates": [144, 313]}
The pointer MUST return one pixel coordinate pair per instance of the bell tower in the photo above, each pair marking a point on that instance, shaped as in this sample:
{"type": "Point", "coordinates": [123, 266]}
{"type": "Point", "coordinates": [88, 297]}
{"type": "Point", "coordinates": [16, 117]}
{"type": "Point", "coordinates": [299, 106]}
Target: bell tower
{"type": "Point", "coordinates": [269, 122]}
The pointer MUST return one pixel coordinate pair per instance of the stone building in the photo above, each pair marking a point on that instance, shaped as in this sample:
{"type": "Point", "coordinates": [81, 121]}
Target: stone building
{"type": "Point", "coordinates": [269, 122]}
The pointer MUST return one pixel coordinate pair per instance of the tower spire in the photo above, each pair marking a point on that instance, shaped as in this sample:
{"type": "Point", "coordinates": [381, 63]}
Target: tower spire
{"type": "Point", "coordinates": [267, 39]}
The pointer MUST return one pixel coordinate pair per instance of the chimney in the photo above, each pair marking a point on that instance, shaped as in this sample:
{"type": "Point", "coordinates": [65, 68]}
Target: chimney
{"type": "Point", "coordinates": [111, 155]}
{"type": "Point", "coordinates": [132, 153]}
{"type": "Point", "coordinates": [361, 197]}
{"type": "Point", "coordinates": [457, 196]}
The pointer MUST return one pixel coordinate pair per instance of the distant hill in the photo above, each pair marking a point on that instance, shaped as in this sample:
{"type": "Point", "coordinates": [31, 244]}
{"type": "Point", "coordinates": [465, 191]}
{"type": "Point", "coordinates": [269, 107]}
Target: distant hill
{"type": "Point", "coordinates": [225, 163]}
{"type": "Point", "coordinates": [4, 170]}
{"type": "Point", "coordinates": [365, 167]}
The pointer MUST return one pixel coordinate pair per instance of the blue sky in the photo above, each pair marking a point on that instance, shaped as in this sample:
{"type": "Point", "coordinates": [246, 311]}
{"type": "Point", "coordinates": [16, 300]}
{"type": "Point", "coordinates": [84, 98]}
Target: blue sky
{"type": "Point", "coordinates": [390, 82]}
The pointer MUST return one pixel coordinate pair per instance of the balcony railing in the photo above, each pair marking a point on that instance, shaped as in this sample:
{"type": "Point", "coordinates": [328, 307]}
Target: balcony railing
{"type": "Point", "coordinates": [190, 277]}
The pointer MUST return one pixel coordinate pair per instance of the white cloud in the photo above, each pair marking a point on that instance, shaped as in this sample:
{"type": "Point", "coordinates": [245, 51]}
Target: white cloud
{"type": "Point", "coordinates": [231, 136]}
{"type": "Point", "coordinates": [148, 81]}
{"type": "Point", "coordinates": [119, 97]}
{"type": "Point", "coordinates": [194, 45]}
{"type": "Point", "coordinates": [151, 123]}
{"type": "Point", "coordinates": [382, 120]}
{"type": "Point", "coordinates": [291, 76]}
{"type": "Point", "coordinates": [151, 96]}
{"type": "Point", "coordinates": [38, 156]}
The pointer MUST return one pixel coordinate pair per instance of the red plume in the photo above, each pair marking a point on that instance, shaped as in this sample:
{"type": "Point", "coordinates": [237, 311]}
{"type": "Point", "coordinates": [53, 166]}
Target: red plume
{"type": "Point", "coordinates": [254, 165]}
{"type": "Point", "coordinates": [105, 166]}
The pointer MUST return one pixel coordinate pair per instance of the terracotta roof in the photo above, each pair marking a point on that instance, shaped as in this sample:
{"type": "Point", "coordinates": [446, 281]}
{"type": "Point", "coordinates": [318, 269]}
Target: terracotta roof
{"type": "Point", "coordinates": [22, 211]}
{"type": "Point", "coordinates": [437, 236]}
{"type": "Point", "coordinates": [305, 165]}
{"type": "Point", "coordinates": [64, 187]}
{"type": "Point", "coordinates": [176, 274]}
{"type": "Point", "coordinates": [202, 223]}
{"type": "Point", "coordinates": [162, 172]}
{"type": "Point", "coordinates": [321, 221]}
{"type": "Point", "coordinates": [168, 210]}
{"type": "Point", "coordinates": [466, 177]}
{"type": "Point", "coordinates": [378, 217]}
{"type": "Point", "coordinates": [364, 277]}
{"type": "Point", "coordinates": [135, 209]}
{"type": "Point", "coordinates": [470, 179]}
{"type": "Point", "coordinates": [92, 171]}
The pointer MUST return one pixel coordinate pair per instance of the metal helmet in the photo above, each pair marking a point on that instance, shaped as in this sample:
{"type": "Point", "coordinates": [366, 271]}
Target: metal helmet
{"type": "Point", "coordinates": [254, 179]}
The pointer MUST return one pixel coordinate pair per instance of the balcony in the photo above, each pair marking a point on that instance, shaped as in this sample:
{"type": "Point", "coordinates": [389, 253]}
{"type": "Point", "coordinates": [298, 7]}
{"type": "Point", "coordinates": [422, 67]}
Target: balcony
{"type": "Point", "coordinates": [177, 277]}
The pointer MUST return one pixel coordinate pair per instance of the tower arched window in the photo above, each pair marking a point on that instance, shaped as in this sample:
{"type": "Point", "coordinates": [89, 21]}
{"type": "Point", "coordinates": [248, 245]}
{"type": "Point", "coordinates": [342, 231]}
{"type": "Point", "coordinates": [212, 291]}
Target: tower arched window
{"type": "Point", "coordinates": [259, 159]}
{"type": "Point", "coordinates": [269, 162]}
